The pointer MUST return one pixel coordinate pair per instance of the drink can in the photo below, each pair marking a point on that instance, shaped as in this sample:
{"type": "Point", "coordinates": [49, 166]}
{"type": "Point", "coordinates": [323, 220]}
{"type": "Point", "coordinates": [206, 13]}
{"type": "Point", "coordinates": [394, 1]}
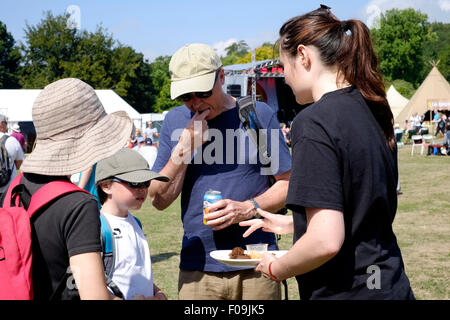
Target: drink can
{"type": "Point", "coordinates": [209, 198]}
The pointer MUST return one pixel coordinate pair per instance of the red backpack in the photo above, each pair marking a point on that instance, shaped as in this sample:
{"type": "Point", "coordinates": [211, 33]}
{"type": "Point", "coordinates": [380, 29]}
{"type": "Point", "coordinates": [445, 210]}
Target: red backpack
{"type": "Point", "coordinates": [15, 237]}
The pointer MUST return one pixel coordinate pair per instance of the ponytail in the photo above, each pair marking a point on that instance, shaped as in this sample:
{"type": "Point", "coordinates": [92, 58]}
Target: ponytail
{"type": "Point", "coordinates": [347, 46]}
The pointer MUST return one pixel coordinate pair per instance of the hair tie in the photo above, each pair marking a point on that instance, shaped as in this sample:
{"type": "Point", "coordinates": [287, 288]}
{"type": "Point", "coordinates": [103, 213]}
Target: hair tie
{"type": "Point", "coordinates": [346, 27]}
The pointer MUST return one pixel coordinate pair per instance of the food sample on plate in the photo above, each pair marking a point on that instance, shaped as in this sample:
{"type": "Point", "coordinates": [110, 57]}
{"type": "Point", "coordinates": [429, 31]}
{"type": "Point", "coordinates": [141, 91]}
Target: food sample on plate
{"type": "Point", "coordinates": [256, 251]}
{"type": "Point", "coordinates": [238, 253]}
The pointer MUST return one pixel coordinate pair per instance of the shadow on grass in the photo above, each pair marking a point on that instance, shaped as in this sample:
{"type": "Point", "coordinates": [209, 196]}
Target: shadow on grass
{"type": "Point", "coordinates": [163, 256]}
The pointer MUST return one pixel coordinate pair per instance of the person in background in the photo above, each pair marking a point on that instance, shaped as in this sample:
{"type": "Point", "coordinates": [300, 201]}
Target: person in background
{"type": "Point", "coordinates": [14, 150]}
{"type": "Point", "coordinates": [440, 126]}
{"type": "Point", "coordinates": [446, 142]}
{"type": "Point", "coordinates": [151, 133]}
{"type": "Point", "coordinates": [19, 136]}
{"type": "Point", "coordinates": [342, 189]}
{"type": "Point", "coordinates": [134, 138]}
{"type": "Point", "coordinates": [398, 132]}
{"type": "Point", "coordinates": [148, 151]}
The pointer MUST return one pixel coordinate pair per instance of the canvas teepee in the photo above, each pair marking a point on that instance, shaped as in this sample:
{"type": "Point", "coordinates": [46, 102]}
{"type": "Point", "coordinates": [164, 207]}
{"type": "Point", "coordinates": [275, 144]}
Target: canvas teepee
{"type": "Point", "coordinates": [396, 101]}
{"type": "Point", "coordinates": [433, 94]}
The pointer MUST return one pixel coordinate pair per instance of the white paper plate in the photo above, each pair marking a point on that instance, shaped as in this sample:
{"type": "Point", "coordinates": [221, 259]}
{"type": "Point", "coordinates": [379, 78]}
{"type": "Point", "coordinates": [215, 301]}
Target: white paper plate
{"type": "Point", "coordinates": [224, 257]}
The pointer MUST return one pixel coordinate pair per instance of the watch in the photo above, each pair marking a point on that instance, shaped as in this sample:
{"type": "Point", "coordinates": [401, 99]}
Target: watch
{"type": "Point", "coordinates": [256, 206]}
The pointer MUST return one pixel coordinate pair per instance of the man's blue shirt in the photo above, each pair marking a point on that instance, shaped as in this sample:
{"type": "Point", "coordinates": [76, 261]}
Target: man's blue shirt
{"type": "Point", "coordinates": [227, 163]}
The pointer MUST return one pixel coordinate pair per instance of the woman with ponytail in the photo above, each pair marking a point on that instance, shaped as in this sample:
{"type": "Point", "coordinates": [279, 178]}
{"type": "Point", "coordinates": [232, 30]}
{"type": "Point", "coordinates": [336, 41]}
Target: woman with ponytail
{"type": "Point", "coordinates": [342, 189]}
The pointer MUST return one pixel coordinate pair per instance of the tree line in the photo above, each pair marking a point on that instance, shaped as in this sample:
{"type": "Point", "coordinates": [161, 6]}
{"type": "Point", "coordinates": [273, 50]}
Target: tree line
{"type": "Point", "coordinates": [404, 41]}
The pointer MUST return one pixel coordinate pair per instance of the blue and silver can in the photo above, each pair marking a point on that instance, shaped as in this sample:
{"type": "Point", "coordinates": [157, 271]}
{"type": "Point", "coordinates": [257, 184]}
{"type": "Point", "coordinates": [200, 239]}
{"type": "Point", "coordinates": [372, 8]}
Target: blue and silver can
{"type": "Point", "coordinates": [209, 198]}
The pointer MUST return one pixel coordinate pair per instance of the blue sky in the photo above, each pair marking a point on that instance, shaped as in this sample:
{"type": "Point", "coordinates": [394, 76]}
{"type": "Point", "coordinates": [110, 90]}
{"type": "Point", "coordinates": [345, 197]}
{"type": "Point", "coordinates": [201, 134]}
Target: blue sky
{"type": "Point", "coordinates": [160, 27]}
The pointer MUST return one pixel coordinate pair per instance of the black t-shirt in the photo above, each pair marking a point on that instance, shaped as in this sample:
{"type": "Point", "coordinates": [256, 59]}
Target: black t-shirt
{"type": "Point", "coordinates": [65, 227]}
{"type": "Point", "coordinates": [341, 161]}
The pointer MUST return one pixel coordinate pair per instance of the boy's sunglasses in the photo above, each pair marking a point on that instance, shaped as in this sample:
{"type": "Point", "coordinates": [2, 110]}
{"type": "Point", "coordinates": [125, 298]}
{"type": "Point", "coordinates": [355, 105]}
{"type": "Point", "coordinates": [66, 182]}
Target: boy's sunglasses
{"type": "Point", "coordinates": [133, 185]}
{"type": "Point", "coordinates": [201, 95]}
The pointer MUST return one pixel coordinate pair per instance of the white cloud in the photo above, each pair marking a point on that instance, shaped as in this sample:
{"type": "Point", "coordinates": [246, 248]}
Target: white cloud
{"type": "Point", "coordinates": [435, 9]}
{"type": "Point", "coordinates": [222, 45]}
{"type": "Point", "coordinates": [261, 37]}
{"type": "Point", "coordinates": [253, 42]}
{"type": "Point", "coordinates": [444, 5]}
{"type": "Point", "coordinates": [373, 12]}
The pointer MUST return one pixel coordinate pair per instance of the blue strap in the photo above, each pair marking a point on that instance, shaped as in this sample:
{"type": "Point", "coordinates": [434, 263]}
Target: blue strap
{"type": "Point", "coordinates": [107, 236]}
{"type": "Point", "coordinates": [138, 222]}
{"type": "Point", "coordinates": [253, 121]}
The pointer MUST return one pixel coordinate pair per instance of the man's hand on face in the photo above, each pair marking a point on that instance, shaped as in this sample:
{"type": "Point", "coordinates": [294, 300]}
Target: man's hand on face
{"type": "Point", "coordinates": [193, 136]}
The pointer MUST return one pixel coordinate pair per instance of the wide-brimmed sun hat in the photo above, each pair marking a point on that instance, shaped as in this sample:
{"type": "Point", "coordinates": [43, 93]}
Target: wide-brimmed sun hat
{"type": "Point", "coordinates": [16, 128]}
{"type": "Point", "coordinates": [193, 69]}
{"type": "Point", "coordinates": [73, 130]}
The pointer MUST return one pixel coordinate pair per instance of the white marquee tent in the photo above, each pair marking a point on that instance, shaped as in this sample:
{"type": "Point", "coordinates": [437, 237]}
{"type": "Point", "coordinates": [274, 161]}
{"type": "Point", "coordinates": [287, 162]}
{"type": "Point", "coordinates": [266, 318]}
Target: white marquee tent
{"type": "Point", "coordinates": [396, 101]}
{"type": "Point", "coordinates": [17, 104]}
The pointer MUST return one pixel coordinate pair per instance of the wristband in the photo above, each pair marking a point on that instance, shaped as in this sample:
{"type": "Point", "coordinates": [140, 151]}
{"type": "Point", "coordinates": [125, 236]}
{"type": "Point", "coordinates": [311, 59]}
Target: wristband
{"type": "Point", "coordinates": [270, 272]}
{"type": "Point", "coordinates": [256, 205]}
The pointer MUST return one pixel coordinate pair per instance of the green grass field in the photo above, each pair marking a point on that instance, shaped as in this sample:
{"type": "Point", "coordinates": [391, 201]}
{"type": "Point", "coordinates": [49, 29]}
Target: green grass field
{"type": "Point", "coordinates": [422, 227]}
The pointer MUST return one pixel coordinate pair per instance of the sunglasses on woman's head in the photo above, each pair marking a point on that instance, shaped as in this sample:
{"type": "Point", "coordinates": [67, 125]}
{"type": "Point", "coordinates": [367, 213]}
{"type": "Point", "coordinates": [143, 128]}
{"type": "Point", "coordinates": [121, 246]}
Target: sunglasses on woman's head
{"type": "Point", "coordinates": [133, 185]}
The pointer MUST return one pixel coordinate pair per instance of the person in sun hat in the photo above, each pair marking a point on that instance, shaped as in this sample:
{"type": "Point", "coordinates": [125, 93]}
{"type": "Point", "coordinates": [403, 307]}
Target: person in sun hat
{"type": "Point", "coordinates": [197, 78]}
{"type": "Point", "coordinates": [16, 133]}
{"type": "Point", "coordinates": [122, 182]}
{"type": "Point", "coordinates": [73, 133]}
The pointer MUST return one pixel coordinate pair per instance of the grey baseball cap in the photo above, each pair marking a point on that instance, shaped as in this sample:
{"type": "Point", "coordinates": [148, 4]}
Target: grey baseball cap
{"type": "Point", "coordinates": [128, 165]}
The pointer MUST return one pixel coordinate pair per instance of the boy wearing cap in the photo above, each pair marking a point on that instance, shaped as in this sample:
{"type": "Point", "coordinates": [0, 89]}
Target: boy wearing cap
{"type": "Point", "coordinates": [122, 182]}
{"type": "Point", "coordinates": [197, 78]}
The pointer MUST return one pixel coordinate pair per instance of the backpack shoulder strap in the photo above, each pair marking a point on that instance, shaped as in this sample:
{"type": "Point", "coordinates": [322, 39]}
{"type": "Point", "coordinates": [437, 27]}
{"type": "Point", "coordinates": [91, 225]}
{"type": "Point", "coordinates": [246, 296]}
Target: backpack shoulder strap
{"type": "Point", "coordinates": [49, 192]}
{"type": "Point", "coordinates": [249, 119]}
{"type": "Point", "coordinates": [108, 255]}
{"type": "Point", "coordinates": [4, 151]}
{"type": "Point", "coordinates": [15, 182]}
{"type": "Point", "coordinates": [3, 139]}
{"type": "Point", "coordinates": [107, 238]}
{"type": "Point", "coordinates": [44, 195]}
{"type": "Point", "coordinates": [247, 115]}
{"type": "Point", "coordinates": [138, 222]}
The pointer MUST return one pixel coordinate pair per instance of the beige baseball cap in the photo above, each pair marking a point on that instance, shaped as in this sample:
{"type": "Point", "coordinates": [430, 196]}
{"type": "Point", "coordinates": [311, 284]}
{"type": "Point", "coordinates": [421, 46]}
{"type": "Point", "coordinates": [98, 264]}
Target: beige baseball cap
{"type": "Point", "coordinates": [193, 69]}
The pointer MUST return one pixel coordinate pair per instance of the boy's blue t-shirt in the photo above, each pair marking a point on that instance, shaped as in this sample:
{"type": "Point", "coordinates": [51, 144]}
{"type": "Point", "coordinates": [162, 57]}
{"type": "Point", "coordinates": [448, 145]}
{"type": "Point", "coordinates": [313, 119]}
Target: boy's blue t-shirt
{"type": "Point", "coordinates": [218, 165]}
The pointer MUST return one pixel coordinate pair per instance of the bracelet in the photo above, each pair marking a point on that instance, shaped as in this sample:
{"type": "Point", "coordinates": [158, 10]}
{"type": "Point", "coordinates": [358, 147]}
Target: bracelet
{"type": "Point", "coordinates": [270, 272]}
{"type": "Point", "coordinates": [256, 206]}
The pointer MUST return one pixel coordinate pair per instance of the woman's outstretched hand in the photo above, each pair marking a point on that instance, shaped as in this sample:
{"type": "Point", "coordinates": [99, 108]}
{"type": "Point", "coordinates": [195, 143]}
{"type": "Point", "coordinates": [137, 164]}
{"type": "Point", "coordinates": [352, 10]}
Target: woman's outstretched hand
{"type": "Point", "coordinates": [275, 223]}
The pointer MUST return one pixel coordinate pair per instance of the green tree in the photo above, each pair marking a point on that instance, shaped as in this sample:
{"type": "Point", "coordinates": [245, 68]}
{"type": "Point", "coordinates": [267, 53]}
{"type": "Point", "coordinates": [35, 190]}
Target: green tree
{"type": "Point", "coordinates": [161, 84]}
{"type": "Point", "coordinates": [52, 51]}
{"type": "Point", "coordinates": [437, 48]}
{"type": "Point", "coordinates": [9, 60]}
{"type": "Point", "coordinates": [265, 52]}
{"type": "Point", "coordinates": [238, 48]}
{"type": "Point", "coordinates": [47, 46]}
{"type": "Point", "coordinates": [235, 51]}
{"type": "Point", "coordinates": [141, 93]}
{"type": "Point", "coordinates": [403, 87]}
{"type": "Point", "coordinates": [398, 41]}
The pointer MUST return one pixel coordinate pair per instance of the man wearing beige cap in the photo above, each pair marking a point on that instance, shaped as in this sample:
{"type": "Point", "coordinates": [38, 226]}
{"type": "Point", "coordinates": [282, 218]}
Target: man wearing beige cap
{"type": "Point", "coordinates": [201, 149]}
